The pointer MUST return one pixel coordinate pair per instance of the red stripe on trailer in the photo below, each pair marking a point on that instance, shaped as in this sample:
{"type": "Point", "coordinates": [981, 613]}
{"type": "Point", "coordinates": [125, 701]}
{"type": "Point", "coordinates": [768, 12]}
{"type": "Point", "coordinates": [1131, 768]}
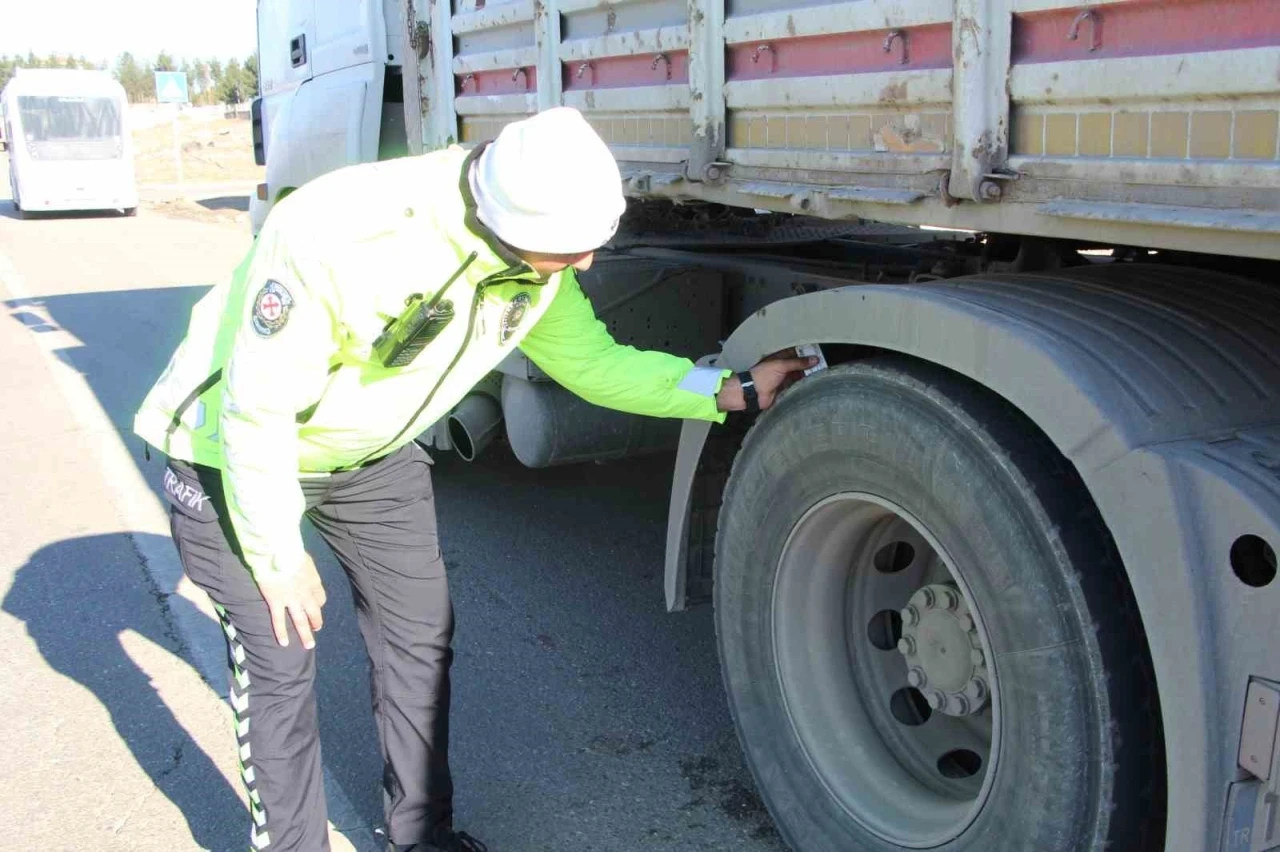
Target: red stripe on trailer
{"type": "Point", "coordinates": [622, 72]}
{"type": "Point", "coordinates": [507, 81]}
{"type": "Point", "coordinates": [843, 53]}
{"type": "Point", "coordinates": [1145, 28]}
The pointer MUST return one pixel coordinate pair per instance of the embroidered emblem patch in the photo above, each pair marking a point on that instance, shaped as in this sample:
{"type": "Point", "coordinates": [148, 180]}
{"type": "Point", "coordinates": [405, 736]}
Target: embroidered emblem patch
{"type": "Point", "coordinates": [513, 314]}
{"type": "Point", "coordinates": [271, 308]}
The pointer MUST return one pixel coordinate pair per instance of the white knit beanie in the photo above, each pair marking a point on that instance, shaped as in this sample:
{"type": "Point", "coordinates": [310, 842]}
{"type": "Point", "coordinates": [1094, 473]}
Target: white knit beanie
{"type": "Point", "coordinates": [549, 184]}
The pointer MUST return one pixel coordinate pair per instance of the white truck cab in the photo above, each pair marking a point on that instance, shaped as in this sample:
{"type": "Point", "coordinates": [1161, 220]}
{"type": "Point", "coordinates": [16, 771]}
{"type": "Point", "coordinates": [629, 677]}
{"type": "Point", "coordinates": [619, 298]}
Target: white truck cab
{"type": "Point", "coordinates": [330, 91]}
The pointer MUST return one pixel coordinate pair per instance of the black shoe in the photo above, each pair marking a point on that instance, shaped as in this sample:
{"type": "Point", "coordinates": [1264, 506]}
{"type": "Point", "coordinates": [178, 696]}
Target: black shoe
{"type": "Point", "coordinates": [444, 841]}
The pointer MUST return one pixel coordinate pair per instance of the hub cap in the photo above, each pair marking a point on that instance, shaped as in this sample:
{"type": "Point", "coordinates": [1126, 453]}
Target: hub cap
{"type": "Point", "coordinates": [943, 652]}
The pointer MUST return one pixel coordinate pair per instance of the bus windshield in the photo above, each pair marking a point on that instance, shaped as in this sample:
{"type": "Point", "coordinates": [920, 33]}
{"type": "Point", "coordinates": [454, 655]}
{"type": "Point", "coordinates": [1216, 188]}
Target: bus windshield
{"type": "Point", "coordinates": [71, 128]}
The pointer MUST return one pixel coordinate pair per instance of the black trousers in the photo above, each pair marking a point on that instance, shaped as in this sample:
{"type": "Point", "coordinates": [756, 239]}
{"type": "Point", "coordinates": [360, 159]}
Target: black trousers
{"type": "Point", "coordinates": [380, 522]}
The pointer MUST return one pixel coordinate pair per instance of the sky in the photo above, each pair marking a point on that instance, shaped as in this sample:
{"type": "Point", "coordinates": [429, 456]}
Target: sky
{"type": "Point", "coordinates": [103, 29]}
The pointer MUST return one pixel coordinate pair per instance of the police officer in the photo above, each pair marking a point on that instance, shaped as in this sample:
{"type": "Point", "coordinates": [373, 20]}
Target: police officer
{"type": "Point", "coordinates": [373, 300]}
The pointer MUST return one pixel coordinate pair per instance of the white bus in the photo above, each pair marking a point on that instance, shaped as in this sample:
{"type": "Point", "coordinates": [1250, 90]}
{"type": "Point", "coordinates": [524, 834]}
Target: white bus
{"type": "Point", "coordinates": [68, 140]}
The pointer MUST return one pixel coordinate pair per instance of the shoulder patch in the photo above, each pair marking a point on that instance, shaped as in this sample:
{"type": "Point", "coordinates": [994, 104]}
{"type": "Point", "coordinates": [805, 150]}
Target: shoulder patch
{"type": "Point", "coordinates": [271, 308]}
{"type": "Point", "coordinates": [513, 314]}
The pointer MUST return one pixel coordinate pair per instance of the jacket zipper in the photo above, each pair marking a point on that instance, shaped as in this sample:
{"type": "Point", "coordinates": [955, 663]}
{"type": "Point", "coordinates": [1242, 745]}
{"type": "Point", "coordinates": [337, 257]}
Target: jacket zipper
{"type": "Point", "coordinates": [466, 341]}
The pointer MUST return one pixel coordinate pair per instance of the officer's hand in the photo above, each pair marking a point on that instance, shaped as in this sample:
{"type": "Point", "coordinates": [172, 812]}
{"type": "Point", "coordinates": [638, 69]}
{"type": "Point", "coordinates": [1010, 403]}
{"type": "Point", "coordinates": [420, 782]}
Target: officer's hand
{"type": "Point", "coordinates": [771, 376]}
{"type": "Point", "coordinates": [298, 597]}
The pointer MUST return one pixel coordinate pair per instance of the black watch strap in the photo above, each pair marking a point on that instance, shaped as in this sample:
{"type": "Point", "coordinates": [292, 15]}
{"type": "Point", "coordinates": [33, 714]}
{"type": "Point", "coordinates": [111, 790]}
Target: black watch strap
{"type": "Point", "coordinates": [749, 391]}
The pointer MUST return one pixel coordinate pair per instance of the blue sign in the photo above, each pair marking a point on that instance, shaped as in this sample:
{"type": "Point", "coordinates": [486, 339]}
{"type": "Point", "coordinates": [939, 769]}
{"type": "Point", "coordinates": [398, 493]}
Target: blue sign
{"type": "Point", "coordinates": [171, 87]}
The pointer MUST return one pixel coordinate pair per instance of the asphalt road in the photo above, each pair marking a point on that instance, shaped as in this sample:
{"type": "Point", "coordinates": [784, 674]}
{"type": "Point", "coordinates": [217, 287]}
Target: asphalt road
{"type": "Point", "coordinates": [585, 717]}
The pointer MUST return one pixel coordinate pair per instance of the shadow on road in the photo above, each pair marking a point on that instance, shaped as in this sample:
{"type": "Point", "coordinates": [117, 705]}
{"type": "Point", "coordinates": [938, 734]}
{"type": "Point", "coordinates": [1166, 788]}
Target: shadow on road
{"type": "Point", "coordinates": [226, 202]}
{"type": "Point", "coordinates": [125, 337]}
{"type": "Point", "coordinates": [77, 599]}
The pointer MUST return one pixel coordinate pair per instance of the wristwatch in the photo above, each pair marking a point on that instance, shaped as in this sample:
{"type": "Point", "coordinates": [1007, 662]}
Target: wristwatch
{"type": "Point", "coordinates": [749, 392]}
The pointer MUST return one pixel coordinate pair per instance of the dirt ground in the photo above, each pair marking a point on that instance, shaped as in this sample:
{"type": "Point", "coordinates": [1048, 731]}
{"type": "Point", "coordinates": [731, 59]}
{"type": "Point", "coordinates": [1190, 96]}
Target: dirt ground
{"type": "Point", "coordinates": [221, 210]}
{"type": "Point", "coordinates": [212, 152]}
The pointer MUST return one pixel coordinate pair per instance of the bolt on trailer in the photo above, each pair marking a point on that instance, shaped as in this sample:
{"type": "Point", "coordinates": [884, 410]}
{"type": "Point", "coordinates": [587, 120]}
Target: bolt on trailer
{"type": "Point", "coordinates": [68, 141]}
{"type": "Point", "coordinates": [1001, 577]}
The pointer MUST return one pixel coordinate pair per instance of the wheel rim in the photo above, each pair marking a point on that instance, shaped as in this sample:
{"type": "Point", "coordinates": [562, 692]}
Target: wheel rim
{"type": "Point", "coordinates": [855, 570]}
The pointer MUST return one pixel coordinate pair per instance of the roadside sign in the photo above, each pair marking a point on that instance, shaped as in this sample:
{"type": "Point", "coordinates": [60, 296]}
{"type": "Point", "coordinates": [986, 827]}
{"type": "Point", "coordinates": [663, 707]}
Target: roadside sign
{"type": "Point", "coordinates": [171, 87]}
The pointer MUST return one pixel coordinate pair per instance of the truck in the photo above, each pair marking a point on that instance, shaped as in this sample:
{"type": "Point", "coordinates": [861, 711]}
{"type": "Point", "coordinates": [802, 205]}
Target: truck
{"type": "Point", "coordinates": [1002, 575]}
{"type": "Point", "coordinates": [68, 141]}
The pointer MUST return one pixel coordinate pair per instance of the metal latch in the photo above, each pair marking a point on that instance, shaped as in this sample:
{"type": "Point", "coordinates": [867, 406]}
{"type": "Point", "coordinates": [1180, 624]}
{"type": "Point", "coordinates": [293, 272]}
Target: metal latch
{"type": "Point", "coordinates": [1253, 806]}
{"type": "Point", "coordinates": [1258, 734]}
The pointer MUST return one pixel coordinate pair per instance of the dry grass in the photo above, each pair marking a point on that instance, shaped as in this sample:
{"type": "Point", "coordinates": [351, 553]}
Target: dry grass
{"type": "Point", "coordinates": [212, 152]}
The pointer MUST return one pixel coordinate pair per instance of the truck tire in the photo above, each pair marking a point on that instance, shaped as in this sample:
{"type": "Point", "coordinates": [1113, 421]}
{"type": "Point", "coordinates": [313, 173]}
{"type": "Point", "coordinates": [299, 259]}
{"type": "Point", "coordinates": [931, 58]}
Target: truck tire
{"type": "Point", "coordinates": [925, 630]}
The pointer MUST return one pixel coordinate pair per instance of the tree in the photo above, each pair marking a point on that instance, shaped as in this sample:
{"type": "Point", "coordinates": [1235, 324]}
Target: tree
{"type": "Point", "coordinates": [138, 84]}
{"type": "Point", "coordinates": [7, 67]}
{"type": "Point", "coordinates": [200, 81]}
{"type": "Point", "coordinates": [215, 81]}
{"type": "Point", "coordinates": [231, 91]}
{"type": "Point", "coordinates": [164, 62]}
{"type": "Point", "coordinates": [250, 74]}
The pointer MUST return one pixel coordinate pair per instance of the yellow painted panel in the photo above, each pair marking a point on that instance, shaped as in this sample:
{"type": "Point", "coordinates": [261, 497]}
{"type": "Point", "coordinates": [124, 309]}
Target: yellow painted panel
{"type": "Point", "coordinates": [838, 133]}
{"type": "Point", "coordinates": [1211, 135]}
{"type": "Point", "coordinates": [1095, 134]}
{"type": "Point", "coordinates": [860, 133]}
{"type": "Point", "coordinates": [1169, 134]}
{"type": "Point", "coordinates": [1256, 134]}
{"type": "Point", "coordinates": [1060, 135]}
{"type": "Point", "coordinates": [1028, 134]}
{"type": "Point", "coordinates": [1130, 137]}
{"type": "Point", "coordinates": [933, 132]}
{"type": "Point", "coordinates": [671, 132]}
{"type": "Point", "coordinates": [626, 130]}
{"type": "Point", "coordinates": [776, 133]}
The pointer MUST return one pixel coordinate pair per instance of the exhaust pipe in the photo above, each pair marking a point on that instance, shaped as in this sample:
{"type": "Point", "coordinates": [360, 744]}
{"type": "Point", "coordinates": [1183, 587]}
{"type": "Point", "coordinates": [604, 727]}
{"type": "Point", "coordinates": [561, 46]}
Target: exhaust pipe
{"type": "Point", "coordinates": [473, 424]}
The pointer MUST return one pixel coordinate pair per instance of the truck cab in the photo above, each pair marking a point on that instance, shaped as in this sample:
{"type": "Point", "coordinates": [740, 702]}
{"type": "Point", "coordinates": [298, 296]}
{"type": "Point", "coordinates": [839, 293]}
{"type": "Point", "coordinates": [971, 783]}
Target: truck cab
{"type": "Point", "coordinates": [330, 91]}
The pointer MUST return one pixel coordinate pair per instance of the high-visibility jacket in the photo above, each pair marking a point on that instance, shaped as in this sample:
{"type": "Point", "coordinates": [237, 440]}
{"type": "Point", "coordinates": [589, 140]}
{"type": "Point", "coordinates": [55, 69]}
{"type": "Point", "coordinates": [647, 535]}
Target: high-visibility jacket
{"type": "Point", "coordinates": [277, 378]}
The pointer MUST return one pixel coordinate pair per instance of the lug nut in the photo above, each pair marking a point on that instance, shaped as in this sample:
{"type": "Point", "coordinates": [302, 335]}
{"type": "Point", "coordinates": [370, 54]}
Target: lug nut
{"type": "Point", "coordinates": [957, 705]}
{"type": "Point", "coordinates": [950, 600]}
{"type": "Point", "coordinates": [936, 699]}
{"type": "Point", "coordinates": [976, 691]}
{"type": "Point", "coordinates": [977, 657]}
{"type": "Point", "coordinates": [916, 678]}
{"type": "Point", "coordinates": [966, 621]}
{"type": "Point", "coordinates": [910, 615]}
{"type": "Point", "coordinates": [907, 646]}
{"type": "Point", "coordinates": [928, 598]}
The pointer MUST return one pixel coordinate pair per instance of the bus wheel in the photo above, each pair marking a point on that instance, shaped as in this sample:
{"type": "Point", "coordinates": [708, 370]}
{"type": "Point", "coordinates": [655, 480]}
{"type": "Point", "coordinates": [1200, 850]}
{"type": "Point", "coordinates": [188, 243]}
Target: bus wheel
{"type": "Point", "coordinates": [926, 633]}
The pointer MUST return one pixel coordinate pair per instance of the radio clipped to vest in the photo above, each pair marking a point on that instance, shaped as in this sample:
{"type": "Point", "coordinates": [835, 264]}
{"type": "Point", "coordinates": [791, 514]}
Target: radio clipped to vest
{"type": "Point", "coordinates": [408, 334]}
{"type": "Point", "coordinates": [419, 323]}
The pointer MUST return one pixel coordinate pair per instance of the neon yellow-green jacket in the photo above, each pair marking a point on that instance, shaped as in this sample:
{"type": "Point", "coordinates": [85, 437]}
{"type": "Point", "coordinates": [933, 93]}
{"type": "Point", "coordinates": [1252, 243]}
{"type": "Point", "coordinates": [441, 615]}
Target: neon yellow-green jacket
{"type": "Point", "coordinates": [276, 378]}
